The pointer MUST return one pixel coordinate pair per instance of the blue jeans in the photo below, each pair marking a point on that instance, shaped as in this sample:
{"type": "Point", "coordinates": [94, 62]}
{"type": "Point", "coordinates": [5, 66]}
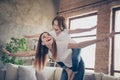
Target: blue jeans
{"type": "Point", "coordinates": [78, 76]}
{"type": "Point", "coordinates": [75, 59]}
{"type": "Point", "coordinates": [77, 66]}
{"type": "Point", "coordinates": [81, 71]}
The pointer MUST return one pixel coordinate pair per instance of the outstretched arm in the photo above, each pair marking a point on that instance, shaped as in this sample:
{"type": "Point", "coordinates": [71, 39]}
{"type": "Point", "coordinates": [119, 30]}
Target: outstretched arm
{"type": "Point", "coordinates": [90, 42]}
{"type": "Point", "coordinates": [83, 44]}
{"type": "Point", "coordinates": [32, 36]}
{"type": "Point", "coordinates": [20, 54]}
{"type": "Point", "coordinates": [81, 30]}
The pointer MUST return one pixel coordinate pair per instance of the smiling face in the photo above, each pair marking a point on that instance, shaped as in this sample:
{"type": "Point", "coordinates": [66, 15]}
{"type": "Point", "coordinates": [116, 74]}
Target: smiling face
{"type": "Point", "coordinates": [58, 24]}
{"type": "Point", "coordinates": [56, 27]}
{"type": "Point", "coordinates": [46, 39]}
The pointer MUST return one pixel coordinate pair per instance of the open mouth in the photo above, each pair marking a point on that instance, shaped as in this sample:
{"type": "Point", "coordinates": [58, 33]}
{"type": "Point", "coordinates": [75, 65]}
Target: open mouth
{"type": "Point", "coordinates": [48, 39]}
{"type": "Point", "coordinates": [56, 29]}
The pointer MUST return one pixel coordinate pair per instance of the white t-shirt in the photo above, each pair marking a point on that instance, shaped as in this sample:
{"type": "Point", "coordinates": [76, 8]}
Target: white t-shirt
{"type": "Point", "coordinates": [62, 36]}
{"type": "Point", "coordinates": [63, 53]}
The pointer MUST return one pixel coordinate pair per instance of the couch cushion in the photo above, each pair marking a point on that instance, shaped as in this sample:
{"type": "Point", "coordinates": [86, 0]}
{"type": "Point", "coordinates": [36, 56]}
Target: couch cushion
{"type": "Point", "coordinates": [11, 72]}
{"type": "Point", "coordinates": [108, 77]}
{"type": "Point", "coordinates": [26, 73]}
{"type": "Point", "coordinates": [98, 76]}
{"type": "Point", "coordinates": [2, 73]}
{"type": "Point", "coordinates": [48, 72]}
{"type": "Point", "coordinates": [119, 78]}
{"type": "Point", "coordinates": [89, 76]}
{"type": "Point", "coordinates": [40, 76]}
{"type": "Point", "coordinates": [58, 73]}
{"type": "Point", "coordinates": [19, 72]}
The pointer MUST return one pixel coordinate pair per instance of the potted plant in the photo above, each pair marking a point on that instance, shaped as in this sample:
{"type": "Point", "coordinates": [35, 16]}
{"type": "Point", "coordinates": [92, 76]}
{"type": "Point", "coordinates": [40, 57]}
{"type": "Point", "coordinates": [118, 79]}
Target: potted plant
{"type": "Point", "coordinates": [13, 46]}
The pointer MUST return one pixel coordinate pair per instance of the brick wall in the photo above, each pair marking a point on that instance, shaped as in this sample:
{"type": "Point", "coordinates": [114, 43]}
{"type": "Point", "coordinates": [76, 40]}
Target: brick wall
{"type": "Point", "coordinates": [69, 8]}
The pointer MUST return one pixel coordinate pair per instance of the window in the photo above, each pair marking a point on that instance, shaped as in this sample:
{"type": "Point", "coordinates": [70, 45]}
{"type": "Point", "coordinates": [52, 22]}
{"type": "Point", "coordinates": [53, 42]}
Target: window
{"type": "Point", "coordinates": [86, 21]}
{"type": "Point", "coordinates": [115, 66]}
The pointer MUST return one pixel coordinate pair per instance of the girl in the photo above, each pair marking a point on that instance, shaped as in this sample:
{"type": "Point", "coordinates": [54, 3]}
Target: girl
{"type": "Point", "coordinates": [60, 29]}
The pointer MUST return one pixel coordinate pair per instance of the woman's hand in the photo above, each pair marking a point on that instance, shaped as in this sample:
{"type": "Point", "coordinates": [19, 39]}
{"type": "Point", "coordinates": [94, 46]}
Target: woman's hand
{"type": "Point", "coordinates": [6, 52]}
{"type": "Point", "coordinates": [70, 74]}
{"type": "Point", "coordinates": [93, 27]}
{"type": "Point", "coordinates": [110, 35]}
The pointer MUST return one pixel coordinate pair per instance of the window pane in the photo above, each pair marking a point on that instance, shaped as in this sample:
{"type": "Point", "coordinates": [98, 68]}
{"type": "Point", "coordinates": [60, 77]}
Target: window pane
{"type": "Point", "coordinates": [87, 53]}
{"type": "Point", "coordinates": [117, 74]}
{"type": "Point", "coordinates": [117, 52]}
{"type": "Point", "coordinates": [86, 22]}
{"type": "Point", "coordinates": [117, 43]}
{"type": "Point", "coordinates": [117, 21]}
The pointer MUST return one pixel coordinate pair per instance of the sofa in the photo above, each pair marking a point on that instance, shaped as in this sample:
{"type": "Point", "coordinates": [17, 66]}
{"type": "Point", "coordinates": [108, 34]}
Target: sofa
{"type": "Point", "coordinates": [99, 76]}
{"type": "Point", "coordinates": [20, 72]}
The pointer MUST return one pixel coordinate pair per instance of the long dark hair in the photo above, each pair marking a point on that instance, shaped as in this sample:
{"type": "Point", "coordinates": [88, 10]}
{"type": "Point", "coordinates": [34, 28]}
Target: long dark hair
{"type": "Point", "coordinates": [42, 54]}
{"type": "Point", "coordinates": [61, 22]}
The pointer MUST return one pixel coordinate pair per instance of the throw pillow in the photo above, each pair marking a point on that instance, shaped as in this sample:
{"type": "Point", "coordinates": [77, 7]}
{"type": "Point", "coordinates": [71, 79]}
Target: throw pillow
{"type": "Point", "coordinates": [11, 72]}
{"type": "Point", "coordinates": [26, 73]}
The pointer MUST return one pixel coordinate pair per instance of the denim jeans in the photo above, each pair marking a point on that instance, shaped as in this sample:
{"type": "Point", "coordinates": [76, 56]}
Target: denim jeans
{"type": "Point", "coordinates": [77, 66]}
{"type": "Point", "coordinates": [75, 59]}
{"type": "Point", "coordinates": [81, 71]}
{"type": "Point", "coordinates": [78, 76]}
{"type": "Point", "coordinates": [64, 75]}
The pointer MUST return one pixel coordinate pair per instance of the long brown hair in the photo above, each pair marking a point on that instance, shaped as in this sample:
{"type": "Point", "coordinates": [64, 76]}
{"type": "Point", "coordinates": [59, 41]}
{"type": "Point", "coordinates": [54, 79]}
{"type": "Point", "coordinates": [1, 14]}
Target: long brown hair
{"type": "Point", "coordinates": [61, 22]}
{"type": "Point", "coordinates": [42, 54]}
{"type": "Point", "coordinates": [54, 47]}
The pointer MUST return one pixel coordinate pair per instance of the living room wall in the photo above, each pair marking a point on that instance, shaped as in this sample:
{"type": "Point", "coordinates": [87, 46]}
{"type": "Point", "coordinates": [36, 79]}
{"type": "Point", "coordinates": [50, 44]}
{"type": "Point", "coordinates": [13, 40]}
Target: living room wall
{"type": "Point", "coordinates": [25, 17]}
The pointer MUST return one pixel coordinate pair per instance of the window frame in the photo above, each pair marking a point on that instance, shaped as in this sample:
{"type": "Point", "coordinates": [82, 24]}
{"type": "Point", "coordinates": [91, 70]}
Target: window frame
{"type": "Point", "coordinates": [112, 69]}
{"type": "Point", "coordinates": [87, 15]}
